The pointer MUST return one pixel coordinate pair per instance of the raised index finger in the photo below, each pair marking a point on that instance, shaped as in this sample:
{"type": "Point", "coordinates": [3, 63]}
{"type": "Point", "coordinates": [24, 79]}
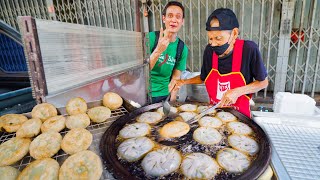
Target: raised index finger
{"type": "Point", "coordinates": [161, 33]}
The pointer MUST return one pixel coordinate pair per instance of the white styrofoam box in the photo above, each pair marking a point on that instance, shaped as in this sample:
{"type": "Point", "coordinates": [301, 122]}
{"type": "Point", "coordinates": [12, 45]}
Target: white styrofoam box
{"type": "Point", "coordinates": [288, 103]}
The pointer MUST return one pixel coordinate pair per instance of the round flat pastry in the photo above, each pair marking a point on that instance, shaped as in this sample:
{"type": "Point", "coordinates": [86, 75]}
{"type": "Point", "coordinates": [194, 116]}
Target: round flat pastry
{"type": "Point", "coordinates": [29, 128]}
{"type": "Point", "coordinates": [13, 150]}
{"type": "Point", "coordinates": [76, 106]}
{"type": "Point", "coordinates": [232, 160]}
{"type": "Point", "coordinates": [99, 114]}
{"type": "Point", "coordinates": [78, 121]}
{"type": "Point", "coordinates": [56, 123]}
{"type": "Point", "coordinates": [44, 111]}
{"type": "Point", "coordinates": [45, 145]}
{"type": "Point", "coordinates": [239, 128]}
{"type": "Point", "coordinates": [186, 116]}
{"type": "Point", "coordinates": [207, 135]}
{"type": "Point", "coordinates": [8, 173]}
{"type": "Point", "coordinates": [76, 140]}
{"type": "Point", "coordinates": [112, 100]}
{"type": "Point", "coordinates": [172, 109]}
{"type": "Point", "coordinates": [199, 166]}
{"type": "Point", "coordinates": [188, 107]}
{"type": "Point", "coordinates": [41, 169]}
{"type": "Point", "coordinates": [209, 121]}
{"type": "Point", "coordinates": [243, 143]}
{"type": "Point", "coordinates": [174, 129]}
{"type": "Point", "coordinates": [200, 109]}
{"type": "Point", "coordinates": [12, 122]}
{"type": "Point", "coordinates": [226, 116]}
{"type": "Point", "coordinates": [82, 165]}
{"type": "Point", "coordinates": [135, 130]}
{"type": "Point", "coordinates": [149, 117]}
{"type": "Point", "coordinates": [135, 148]}
{"type": "Point", "coordinates": [161, 162]}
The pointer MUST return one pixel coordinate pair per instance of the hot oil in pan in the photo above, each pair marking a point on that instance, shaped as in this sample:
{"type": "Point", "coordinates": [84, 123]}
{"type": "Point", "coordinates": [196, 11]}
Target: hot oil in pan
{"type": "Point", "coordinates": [186, 145]}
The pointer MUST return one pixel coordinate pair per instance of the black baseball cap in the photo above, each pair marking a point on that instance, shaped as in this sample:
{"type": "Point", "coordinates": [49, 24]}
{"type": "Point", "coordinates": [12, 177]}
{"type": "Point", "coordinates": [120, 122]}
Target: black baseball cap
{"type": "Point", "coordinates": [226, 17]}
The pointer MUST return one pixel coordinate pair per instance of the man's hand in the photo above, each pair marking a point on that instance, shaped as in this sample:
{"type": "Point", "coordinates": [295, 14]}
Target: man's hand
{"type": "Point", "coordinates": [178, 84]}
{"type": "Point", "coordinates": [229, 97]}
{"type": "Point", "coordinates": [164, 40]}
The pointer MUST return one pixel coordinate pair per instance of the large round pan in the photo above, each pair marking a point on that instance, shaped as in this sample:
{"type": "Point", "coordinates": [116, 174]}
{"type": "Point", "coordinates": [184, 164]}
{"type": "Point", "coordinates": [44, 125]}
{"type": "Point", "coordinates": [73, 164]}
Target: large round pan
{"type": "Point", "coordinates": [109, 150]}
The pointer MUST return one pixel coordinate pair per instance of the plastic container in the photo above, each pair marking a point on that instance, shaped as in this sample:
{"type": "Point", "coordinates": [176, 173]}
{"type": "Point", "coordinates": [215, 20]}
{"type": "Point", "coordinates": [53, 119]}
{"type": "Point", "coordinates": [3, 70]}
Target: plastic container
{"type": "Point", "coordinates": [298, 104]}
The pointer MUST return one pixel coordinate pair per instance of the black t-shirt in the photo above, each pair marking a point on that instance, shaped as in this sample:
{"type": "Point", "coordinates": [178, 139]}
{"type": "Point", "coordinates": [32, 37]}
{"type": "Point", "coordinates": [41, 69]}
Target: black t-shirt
{"type": "Point", "coordinates": [252, 66]}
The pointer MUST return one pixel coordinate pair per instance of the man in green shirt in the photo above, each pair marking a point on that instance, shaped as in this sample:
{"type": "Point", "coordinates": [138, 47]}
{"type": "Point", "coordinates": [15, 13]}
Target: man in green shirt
{"type": "Point", "coordinates": [165, 68]}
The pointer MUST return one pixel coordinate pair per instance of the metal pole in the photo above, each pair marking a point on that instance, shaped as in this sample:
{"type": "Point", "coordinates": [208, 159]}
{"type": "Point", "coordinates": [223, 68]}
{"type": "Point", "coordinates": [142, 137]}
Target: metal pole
{"type": "Point", "coordinates": [309, 48]}
{"type": "Point", "coordinates": [242, 20]}
{"type": "Point", "coordinates": [284, 45]}
{"type": "Point", "coordinates": [199, 42]}
{"type": "Point", "coordinates": [137, 16]}
{"type": "Point", "coordinates": [130, 14]}
{"type": "Point", "coordinates": [117, 14]}
{"type": "Point", "coordinates": [315, 75]}
{"type": "Point", "coordinates": [124, 16]}
{"type": "Point", "coordinates": [191, 35]}
{"type": "Point", "coordinates": [251, 24]}
{"type": "Point", "coordinates": [298, 48]}
{"type": "Point", "coordinates": [260, 27]}
{"type": "Point", "coordinates": [110, 10]}
{"type": "Point", "coordinates": [269, 42]}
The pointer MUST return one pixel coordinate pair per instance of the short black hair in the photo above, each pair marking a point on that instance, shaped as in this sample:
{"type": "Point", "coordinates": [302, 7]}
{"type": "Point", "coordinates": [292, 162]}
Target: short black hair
{"type": "Point", "coordinates": [173, 3]}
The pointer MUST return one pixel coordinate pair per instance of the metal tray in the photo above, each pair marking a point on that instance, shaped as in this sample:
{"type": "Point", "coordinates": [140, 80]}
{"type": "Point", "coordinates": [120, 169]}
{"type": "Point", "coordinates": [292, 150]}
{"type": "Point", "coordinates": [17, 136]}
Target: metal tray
{"type": "Point", "coordinates": [97, 130]}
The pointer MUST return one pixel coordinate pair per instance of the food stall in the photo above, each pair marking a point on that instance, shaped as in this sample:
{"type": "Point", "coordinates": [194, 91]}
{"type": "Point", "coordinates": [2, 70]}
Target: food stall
{"type": "Point", "coordinates": [67, 61]}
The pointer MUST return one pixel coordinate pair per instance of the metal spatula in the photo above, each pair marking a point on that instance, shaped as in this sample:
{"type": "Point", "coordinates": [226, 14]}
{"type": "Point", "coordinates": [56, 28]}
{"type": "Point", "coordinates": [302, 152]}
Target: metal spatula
{"type": "Point", "coordinates": [166, 105]}
{"type": "Point", "coordinates": [197, 117]}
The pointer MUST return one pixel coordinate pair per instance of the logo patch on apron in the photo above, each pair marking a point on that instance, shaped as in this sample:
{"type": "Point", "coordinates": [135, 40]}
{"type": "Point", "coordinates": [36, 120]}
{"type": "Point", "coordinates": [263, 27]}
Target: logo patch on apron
{"type": "Point", "coordinates": [222, 88]}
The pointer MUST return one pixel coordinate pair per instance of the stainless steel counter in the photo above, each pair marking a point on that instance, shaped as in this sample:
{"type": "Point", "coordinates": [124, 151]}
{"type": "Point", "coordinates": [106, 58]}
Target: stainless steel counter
{"type": "Point", "coordinates": [296, 144]}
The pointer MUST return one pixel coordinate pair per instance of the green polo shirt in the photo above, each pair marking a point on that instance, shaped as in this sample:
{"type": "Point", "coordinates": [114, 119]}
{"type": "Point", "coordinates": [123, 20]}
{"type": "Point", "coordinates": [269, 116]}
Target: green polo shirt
{"type": "Point", "coordinates": [161, 73]}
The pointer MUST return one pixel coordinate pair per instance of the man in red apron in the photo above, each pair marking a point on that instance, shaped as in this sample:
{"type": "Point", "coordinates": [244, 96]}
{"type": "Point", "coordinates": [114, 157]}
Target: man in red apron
{"type": "Point", "coordinates": [232, 68]}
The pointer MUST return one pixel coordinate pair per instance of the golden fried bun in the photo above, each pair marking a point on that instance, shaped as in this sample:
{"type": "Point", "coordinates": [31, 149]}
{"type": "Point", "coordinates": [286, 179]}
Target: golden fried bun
{"type": "Point", "coordinates": [161, 162]}
{"type": "Point", "coordinates": [174, 129]}
{"type": "Point", "coordinates": [13, 150]}
{"type": "Point", "coordinates": [188, 107]}
{"type": "Point", "coordinates": [226, 116]}
{"type": "Point", "coordinates": [232, 160]}
{"type": "Point", "coordinates": [112, 100]}
{"type": "Point", "coordinates": [208, 121]}
{"type": "Point", "coordinates": [200, 109]}
{"type": "Point", "coordinates": [45, 145]}
{"type": "Point", "coordinates": [149, 117]}
{"type": "Point", "coordinates": [199, 166]}
{"type": "Point", "coordinates": [76, 106]}
{"type": "Point", "coordinates": [172, 109]}
{"type": "Point", "coordinates": [8, 173]}
{"type": "Point", "coordinates": [46, 168]}
{"type": "Point", "coordinates": [12, 122]}
{"type": "Point", "coordinates": [239, 128]}
{"type": "Point", "coordinates": [82, 165]}
{"type": "Point", "coordinates": [243, 143]}
{"type": "Point", "coordinates": [76, 140]}
{"type": "Point", "coordinates": [207, 135]}
{"type": "Point", "coordinates": [186, 116]}
{"type": "Point", "coordinates": [99, 114]}
{"type": "Point", "coordinates": [29, 128]}
{"type": "Point", "coordinates": [135, 130]}
{"type": "Point", "coordinates": [78, 121]}
{"type": "Point", "coordinates": [135, 148]}
{"type": "Point", "coordinates": [56, 123]}
{"type": "Point", "coordinates": [44, 111]}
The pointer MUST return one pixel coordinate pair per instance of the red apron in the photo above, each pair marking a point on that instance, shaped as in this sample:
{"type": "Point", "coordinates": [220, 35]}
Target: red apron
{"type": "Point", "coordinates": [217, 84]}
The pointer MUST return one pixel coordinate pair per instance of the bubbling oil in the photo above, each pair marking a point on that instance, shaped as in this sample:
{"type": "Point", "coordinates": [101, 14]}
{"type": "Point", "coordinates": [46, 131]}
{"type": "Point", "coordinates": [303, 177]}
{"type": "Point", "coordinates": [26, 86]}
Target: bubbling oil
{"type": "Point", "coordinates": [185, 145]}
